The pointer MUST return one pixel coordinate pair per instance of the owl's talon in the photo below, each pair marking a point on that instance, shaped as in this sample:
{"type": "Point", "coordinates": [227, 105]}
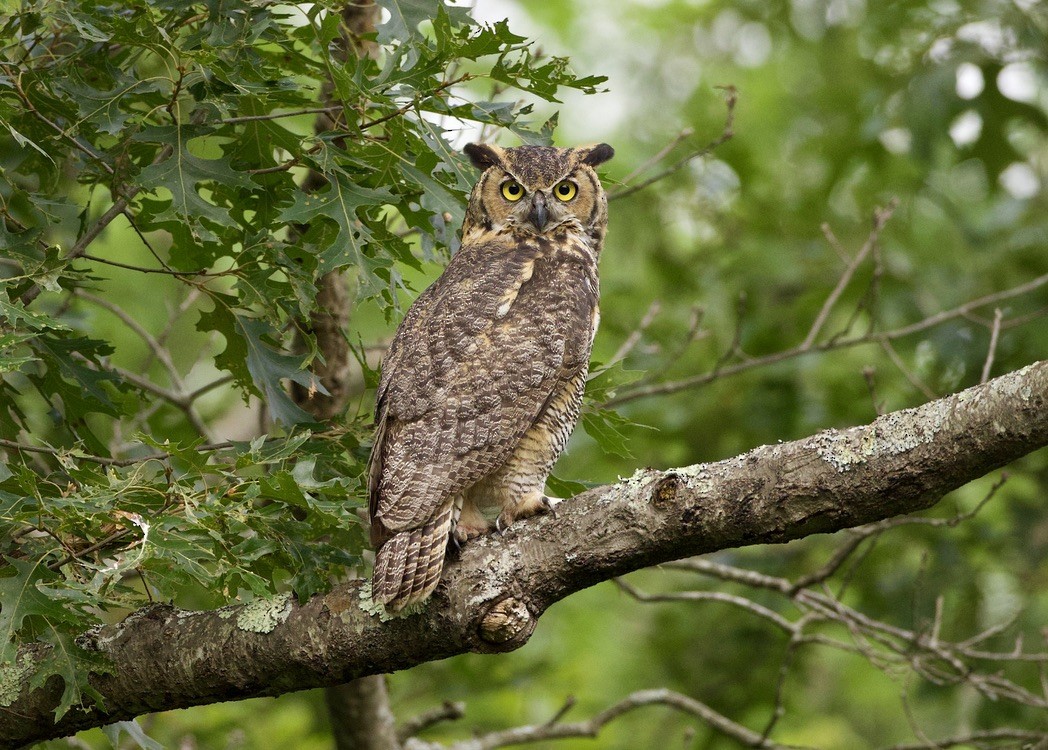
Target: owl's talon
{"type": "Point", "coordinates": [550, 504]}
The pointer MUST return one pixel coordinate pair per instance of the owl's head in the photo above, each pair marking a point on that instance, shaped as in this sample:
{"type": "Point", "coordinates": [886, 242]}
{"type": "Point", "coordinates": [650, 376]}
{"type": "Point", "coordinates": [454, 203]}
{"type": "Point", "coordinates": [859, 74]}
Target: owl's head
{"type": "Point", "coordinates": [537, 190]}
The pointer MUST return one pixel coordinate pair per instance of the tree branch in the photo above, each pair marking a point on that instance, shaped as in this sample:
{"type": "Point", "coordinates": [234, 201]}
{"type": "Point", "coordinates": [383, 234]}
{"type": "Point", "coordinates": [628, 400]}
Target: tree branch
{"type": "Point", "coordinates": [880, 218]}
{"type": "Point", "coordinates": [448, 711]}
{"type": "Point", "coordinates": [553, 730]}
{"type": "Point", "coordinates": [731, 97]}
{"type": "Point", "coordinates": [91, 234]}
{"type": "Point", "coordinates": [884, 338]}
{"type": "Point", "coordinates": [492, 596]}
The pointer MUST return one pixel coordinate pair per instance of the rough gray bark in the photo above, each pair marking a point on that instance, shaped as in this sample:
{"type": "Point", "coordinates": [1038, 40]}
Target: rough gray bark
{"type": "Point", "coordinates": [491, 598]}
{"type": "Point", "coordinates": [361, 718]}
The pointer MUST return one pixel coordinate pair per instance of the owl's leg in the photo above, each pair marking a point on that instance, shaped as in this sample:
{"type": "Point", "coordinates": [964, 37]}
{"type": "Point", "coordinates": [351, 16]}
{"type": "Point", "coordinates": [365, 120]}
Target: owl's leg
{"type": "Point", "coordinates": [471, 522]}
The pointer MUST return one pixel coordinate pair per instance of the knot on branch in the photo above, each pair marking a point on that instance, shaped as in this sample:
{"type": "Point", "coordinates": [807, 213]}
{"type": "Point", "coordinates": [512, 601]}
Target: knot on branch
{"type": "Point", "coordinates": [507, 625]}
{"type": "Point", "coordinates": [666, 489]}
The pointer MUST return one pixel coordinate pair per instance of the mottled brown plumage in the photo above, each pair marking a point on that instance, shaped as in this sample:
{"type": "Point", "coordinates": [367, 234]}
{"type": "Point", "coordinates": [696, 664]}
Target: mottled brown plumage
{"type": "Point", "coordinates": [483, 382]}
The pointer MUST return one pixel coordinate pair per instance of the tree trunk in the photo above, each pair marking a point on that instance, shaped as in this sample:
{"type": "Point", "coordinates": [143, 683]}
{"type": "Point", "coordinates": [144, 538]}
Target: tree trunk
{"type": "Point", "coordinates": [361, 718]}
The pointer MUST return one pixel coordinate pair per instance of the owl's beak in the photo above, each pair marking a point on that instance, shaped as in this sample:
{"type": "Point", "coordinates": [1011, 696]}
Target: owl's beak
{"type": "Point", "coordinates": [538, 215]}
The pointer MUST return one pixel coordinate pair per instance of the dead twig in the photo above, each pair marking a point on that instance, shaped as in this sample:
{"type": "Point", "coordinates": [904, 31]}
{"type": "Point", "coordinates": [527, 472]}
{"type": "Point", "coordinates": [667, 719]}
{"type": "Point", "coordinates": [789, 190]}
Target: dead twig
{"type": "Point", "coordinates": [731, 96]}
{"type": "Point", "coordinates": [448, 711]}
{"type": "Point", "coordinates": [880, 218]}
{"type": "Point", "coordinates": [995, 331]}
{"type": "Point", "coordinates": [695, 381]}
{"type": "Point", "coordinates": [592, 727]}
{"type": "Point", "coordinates": [631, 341]}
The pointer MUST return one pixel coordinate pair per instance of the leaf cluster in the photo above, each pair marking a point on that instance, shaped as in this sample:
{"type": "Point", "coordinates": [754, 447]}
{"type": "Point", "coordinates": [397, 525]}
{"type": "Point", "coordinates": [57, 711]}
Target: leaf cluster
{"type": "Point", "coordinates": [160, 163]}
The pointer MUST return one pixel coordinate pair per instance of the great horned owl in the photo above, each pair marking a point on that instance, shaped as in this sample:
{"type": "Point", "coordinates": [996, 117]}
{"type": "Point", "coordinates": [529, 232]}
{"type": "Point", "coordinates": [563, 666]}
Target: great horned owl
{"type": "Point", "coordinates": [483, 382]}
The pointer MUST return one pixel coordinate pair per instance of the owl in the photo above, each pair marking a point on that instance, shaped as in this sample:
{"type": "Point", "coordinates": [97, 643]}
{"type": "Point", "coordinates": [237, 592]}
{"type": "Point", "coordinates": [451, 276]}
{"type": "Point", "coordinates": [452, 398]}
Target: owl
{"type": "Point", "coordinates": [483, 382]}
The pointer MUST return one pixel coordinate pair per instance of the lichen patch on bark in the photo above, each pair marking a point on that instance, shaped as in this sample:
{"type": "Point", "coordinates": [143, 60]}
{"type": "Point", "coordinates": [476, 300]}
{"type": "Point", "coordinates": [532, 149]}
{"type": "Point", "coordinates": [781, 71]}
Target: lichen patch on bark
{"type": "Point", "coordinates": [263, 615]}
{"type": "Point", "coordinates": [890, 435]}
{"type": "Point", "coordinates": [12, 675]}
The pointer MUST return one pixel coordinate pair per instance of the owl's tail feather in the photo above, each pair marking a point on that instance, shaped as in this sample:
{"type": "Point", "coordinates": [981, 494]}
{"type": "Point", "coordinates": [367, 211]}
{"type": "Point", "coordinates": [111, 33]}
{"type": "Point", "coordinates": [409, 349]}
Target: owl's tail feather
{"type": "Point", "coordinates": [408, 564]}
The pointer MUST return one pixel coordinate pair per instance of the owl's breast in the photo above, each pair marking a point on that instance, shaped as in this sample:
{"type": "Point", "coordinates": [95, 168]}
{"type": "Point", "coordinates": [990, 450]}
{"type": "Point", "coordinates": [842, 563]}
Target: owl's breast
{"type": "Point", "coordinates": [558, 305]}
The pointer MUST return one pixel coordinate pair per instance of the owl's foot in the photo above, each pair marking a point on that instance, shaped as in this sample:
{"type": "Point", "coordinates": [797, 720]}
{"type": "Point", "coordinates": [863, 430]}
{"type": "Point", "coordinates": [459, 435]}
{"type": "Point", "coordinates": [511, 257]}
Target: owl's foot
{"type": "Point", "coordinates": [465, 531]}
{"type": "Point", "coordinates": [530, 505]}
{"type": "Point", "coordinates": [470, 524]}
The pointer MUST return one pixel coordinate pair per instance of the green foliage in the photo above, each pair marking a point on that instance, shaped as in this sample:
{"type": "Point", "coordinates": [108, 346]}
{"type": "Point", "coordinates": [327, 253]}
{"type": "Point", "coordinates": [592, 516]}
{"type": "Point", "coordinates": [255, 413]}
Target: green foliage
{"type": "Point", "coordinates": [135, 389]}
{"type": "Point", "coordinates": [196, 122]}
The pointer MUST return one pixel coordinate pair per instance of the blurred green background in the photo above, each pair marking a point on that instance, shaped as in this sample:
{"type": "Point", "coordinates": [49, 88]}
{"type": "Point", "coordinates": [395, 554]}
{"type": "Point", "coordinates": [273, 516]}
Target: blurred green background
{"type": "Point", "coordinates": [843, 106]}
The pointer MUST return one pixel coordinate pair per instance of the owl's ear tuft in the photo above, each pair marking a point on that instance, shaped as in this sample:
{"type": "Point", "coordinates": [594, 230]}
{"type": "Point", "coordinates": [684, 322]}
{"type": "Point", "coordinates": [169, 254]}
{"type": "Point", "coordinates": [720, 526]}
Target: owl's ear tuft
{"type": "Point", "coordinates": [598, 154]}
{"type": "Point", "coordinates": [482, 155]}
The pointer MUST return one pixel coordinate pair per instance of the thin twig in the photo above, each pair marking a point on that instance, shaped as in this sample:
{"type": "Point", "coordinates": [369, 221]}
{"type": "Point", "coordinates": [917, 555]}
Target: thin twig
{"type": "Point", "coordinates": [568, 704]}
{"type": "Point", "coordinates": [835, 243]}
{"type": "Point", "coordinates": [118, 208]}
{"type": "Point", "coordinates": [662, 154]}
{"type": "Point", "coordinates": [694, 381]}
{"type": "Point", "coordinates": [143, 269]}
{"type": "Point", "coordinates": [448, 711]}
{"type": "Point", "coordinates": [192, 295]}
{"type": "Point", "coordinates": [693, 334]}
{"type": "Point", "coordinates": [631, 341]}
{"type": "Point", "coordinates": [1021, 320]}
{"type": "Point", "coordinates": [592, 727]}
{"type": "Point", "coordinates": [178, 396]}
{"type": "Point", "coordinates": [967, 307]}
{"type": "Point", "coordinates": [208, 387]}
{"type": "Point", "coordinates": [735, 348]}
{"type": "Point", "coordinates": [100, 544]}
{"type": "Point", "coordinates": [16, 81]}
{"type": "Point", "coordinates": [992, 348]}
{"type": "Point", "coordinates": [77, 455]}
{"type": "Point", "coordinates": [278, 115]}
{"type": "Point", "coordinates": [796, 640]}
{"type": "Point", "coordinates": [710, 596]}
{"type": "Point", "coordinates": [869, 375]}
{"type": "Point", "coordinates": [900, 365]}
{"type": "Point", "coordinates": [832, 565]}
{"type": "Point", "coordinates": [416, 102]}
{"type": "Point", "coordinates": [880, 218]}
{"type": "Point", "coordinates": [175, 398]}
{"type": "Point", "coordinates": [888, 647]}
{"type": "Point", "coordinates": [80, 246]}
{"type": "Point", "coordinates": [1024, 736]}
{"type": "Point", "coordinates": [731, 97]}
{"type": "Point", "coordinates": [158, 351]}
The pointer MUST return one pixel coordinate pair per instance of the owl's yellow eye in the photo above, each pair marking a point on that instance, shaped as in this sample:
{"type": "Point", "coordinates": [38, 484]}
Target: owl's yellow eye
{"type": "Point", "coordinates": [512, 191]}
{"type": "Point", "coordinates": [566, 190]}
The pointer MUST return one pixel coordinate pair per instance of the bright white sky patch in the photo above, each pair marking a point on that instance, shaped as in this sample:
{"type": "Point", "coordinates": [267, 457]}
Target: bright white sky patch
{"type": "Point", "coordinates": [970, 82]}
{"type": "Point", "coordinates": [1019, 179]}
{"type": "Point", "coordinates": [896, 140]}
{"type": "Point", "coordinates": [990, 35]}
{"type": "Point", "coordinates": [966, 129]}
{"type": "Point", "coordinates": [1018, 82]}
{"type": "Point", "coordinates": [752, 45]}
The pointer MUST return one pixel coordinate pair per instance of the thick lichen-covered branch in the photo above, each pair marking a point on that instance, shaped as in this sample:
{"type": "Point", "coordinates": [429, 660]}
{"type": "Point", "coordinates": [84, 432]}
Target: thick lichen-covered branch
{"type": "Point", "coordinates": [492, 596]}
